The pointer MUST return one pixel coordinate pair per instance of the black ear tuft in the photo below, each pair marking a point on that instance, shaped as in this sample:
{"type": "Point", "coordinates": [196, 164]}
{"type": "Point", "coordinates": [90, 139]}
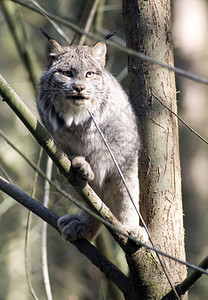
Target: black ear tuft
{"type": "Point", "coordinates": [109, 35]}
{"type": "Point", "coordinates": [45, 33]}
{"type": "Point", "coordinates": [53, 48]}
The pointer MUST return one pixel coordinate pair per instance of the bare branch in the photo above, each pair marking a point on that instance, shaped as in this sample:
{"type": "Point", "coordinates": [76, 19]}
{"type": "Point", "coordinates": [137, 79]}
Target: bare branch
{"type": "Point", "coordinates": [44, 249]}
{"type": "Point", "coordinates": [193, 277]}
{"type": "Point", "coordinates": [25, 50]}
{"type": "Point", "coordinates": [27, 232]}
{"type": "Point", "coordinates": [182, 121]}
{"type": "Point", "coordinates": [89, 21]}
{"type": "Point", "coordinates": [183, 287]}
{"type": "Point", "coordinates": [37, 130]}
{"type": "Point", "coordinates": [58, 29]}
{"type": "Point", "coordinates": [124, 49]}
{"type": "Point", "coordinates": [110, 270]}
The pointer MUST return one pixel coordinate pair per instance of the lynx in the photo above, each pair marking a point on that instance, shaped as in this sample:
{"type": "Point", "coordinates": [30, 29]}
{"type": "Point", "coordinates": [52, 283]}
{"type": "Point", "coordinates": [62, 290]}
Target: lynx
{"type": "Point", "coordinates": [74, 83]}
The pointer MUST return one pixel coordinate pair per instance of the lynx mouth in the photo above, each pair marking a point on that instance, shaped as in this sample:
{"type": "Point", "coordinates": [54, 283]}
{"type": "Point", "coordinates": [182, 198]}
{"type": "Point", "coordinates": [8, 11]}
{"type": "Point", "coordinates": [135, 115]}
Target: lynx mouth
{"type": "Point", "coordinates": [77, 99]}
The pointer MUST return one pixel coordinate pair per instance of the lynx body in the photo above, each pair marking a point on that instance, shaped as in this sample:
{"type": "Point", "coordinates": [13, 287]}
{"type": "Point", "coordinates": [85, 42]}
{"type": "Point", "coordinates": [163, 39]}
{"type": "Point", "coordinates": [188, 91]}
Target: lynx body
{"type": "Point", "coordinates": [74, 83]}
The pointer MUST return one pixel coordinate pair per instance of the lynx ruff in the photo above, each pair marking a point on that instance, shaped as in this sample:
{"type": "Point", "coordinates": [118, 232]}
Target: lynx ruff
{"type": "Point", "coordinates": [74, 82]}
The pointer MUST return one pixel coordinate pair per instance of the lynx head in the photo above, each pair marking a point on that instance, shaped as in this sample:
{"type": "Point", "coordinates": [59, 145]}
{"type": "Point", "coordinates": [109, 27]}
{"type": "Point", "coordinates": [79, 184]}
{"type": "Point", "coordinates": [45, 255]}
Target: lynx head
{"type": "Point", "coordinates": [73, 81]}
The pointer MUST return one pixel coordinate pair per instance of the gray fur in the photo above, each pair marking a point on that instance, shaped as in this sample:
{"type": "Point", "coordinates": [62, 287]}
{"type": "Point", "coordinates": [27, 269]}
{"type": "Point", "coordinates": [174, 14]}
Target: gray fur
{"type": "Point", "coordinates": [62, 104]}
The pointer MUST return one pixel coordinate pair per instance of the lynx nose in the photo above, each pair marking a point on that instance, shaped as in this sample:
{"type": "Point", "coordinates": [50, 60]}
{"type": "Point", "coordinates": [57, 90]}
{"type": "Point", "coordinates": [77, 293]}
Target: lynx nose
{"type": "Point", "coordinates": [78, 87]}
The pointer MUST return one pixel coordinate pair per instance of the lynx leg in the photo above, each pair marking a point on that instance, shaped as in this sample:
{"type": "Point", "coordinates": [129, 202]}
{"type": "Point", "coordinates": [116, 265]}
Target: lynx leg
{"type": "Point", "coordinates": [82, 225]}
{"type": "Point", "coordinates": [118, 200]}
{"type": "Point", "coordinates": [82, 169]}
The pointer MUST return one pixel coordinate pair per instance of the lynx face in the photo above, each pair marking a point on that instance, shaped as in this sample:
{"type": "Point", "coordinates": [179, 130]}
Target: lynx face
{"type": "Point", "coordinates": [76, 80]}
{"type": "Point", "coordinates": [75, 87]}
{"type": "Point", "coordinates": [72, 83]}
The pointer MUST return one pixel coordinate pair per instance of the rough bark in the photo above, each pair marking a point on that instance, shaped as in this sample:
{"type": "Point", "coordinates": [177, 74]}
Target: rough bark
{"type": "Point", "coordinates": [148, 30]}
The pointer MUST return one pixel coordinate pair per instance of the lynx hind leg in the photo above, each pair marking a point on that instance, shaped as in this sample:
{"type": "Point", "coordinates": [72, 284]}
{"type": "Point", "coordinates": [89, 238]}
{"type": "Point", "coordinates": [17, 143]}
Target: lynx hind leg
{"type": "Point", "coordinates": [122, 206]}
{"type": "Point", "coordinates": [82, 169]}
{"type": "Point", "coordinates": [131, 222]}
{"type": "Point", "coordinates": [82, 225]}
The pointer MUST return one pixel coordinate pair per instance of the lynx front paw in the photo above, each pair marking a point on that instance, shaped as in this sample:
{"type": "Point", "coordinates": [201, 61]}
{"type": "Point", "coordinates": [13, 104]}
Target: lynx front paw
{"type": "Point", "coordinates": [140, 233]}
{"type": "Point", "coordinates": [72, 227]}
{"type": "Point", "coordinates": [82, 169]}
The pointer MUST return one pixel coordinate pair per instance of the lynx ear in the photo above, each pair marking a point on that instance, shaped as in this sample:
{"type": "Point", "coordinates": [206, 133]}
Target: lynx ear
{"type": "Point", "coordinates": [53, 49]}
{"type": "Point", "coordinates": [99, 52]}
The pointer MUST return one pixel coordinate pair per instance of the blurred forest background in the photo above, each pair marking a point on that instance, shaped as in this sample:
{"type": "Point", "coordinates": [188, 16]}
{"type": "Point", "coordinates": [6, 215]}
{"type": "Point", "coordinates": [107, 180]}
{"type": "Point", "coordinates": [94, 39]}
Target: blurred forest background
{"type": "Point", "coordinates": [72, 276]}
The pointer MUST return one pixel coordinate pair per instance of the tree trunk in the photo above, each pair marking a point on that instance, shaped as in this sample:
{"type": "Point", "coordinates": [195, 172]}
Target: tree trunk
{"type": "Point", "coordinates": [148, 30]}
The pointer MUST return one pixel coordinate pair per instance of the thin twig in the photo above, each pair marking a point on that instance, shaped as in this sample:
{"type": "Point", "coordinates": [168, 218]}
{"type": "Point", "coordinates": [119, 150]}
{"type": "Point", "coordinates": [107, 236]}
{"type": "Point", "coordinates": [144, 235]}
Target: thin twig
{"type": "Point", "coordinates": [24, 49]}
{"type": "Point", "coordinates": [182, 121]}
{"type": "Point", "coordinates": [27, 233]}
{"type": "Point", "coordinates": [44, 254]}
{"type": "Point", "coordinates": [5, 174]}
{"type": "Point", "coordinates": [122, 48]}
{"type": "Point", "coordinates": [58, 29]}
{"type": "Point", "coordinates": [26, 248]}
{"type": "Point", "coordinates": [89, 21]}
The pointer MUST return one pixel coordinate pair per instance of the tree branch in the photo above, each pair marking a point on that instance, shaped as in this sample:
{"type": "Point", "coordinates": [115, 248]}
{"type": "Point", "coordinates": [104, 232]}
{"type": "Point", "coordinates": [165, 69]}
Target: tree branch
{"type": "Point", "coordinates": [193, 277]}
{"type": "Point", "coordinates": [124, 49]}
{"type": "Point", "coordinates": [188, 282]}
{"type": "Point", "coordinates": [25, 50]}
{"type": "Point", "coordinates": [180, 119]}
{"type": "Point", "coordinates": [86, 248]}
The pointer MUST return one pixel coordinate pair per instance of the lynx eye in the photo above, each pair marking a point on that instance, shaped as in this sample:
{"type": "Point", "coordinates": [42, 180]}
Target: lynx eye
{"type": "Point", "coordinates": [67, 73]}
{"type": "Point", "coordinates": [90, 74]}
